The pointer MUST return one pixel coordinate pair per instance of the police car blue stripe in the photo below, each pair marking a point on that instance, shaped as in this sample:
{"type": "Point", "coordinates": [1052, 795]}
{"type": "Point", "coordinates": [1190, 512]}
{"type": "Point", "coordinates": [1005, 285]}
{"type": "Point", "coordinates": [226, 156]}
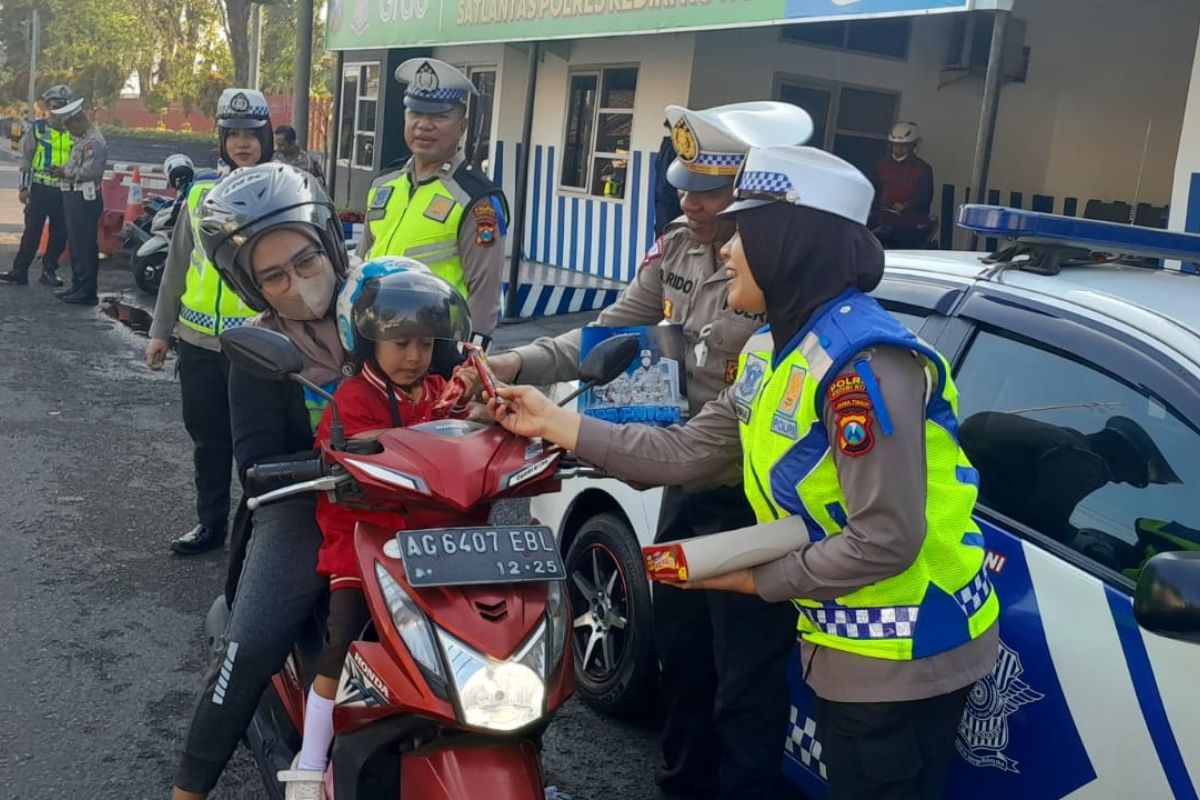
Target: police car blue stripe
{"type": "Point", "coordinates": [1149, 697]}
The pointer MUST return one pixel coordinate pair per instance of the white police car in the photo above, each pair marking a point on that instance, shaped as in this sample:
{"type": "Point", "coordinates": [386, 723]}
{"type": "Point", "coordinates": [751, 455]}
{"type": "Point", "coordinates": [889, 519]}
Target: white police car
{"type": "Point", "coordinates": [1080, 406]}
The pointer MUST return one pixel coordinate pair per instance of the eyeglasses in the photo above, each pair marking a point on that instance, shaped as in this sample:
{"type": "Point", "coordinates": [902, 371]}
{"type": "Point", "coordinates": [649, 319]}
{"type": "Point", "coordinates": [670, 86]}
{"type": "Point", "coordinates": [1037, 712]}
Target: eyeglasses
{"type": "Point", "coordinates": [277, 280]}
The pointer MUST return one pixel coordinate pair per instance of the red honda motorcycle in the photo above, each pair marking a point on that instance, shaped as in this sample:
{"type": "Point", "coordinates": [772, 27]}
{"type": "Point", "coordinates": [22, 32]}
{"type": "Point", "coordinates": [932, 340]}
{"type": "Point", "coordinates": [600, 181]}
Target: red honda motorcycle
{"type": "Point", "coordinates": [465, 659]}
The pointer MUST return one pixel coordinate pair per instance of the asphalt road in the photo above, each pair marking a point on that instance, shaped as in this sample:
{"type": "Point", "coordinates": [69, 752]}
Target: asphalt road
{"type": "Point", "coordinates": [102, 649]}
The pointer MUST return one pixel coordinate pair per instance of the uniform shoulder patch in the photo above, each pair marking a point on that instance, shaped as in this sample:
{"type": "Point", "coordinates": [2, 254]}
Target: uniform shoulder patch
{"type": "Point", "coordinates": [853, 414]}
{"type": "Point", "coordinates": [486, 224]}
{"type": "Point", "coordinates": [655, 252]}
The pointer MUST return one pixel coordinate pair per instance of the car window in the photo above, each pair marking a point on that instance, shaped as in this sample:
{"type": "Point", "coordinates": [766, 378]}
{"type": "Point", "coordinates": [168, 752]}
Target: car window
{"type": "Point", "coordinates": [911, 321]}
{"type": "Point", "coordinates": [1077, 454]}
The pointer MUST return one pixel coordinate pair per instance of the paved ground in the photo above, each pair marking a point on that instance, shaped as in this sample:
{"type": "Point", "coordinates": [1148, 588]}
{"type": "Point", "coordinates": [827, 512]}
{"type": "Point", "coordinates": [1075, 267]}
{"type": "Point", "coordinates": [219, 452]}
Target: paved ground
{"type": "Point", "coordinates": [102, 641]}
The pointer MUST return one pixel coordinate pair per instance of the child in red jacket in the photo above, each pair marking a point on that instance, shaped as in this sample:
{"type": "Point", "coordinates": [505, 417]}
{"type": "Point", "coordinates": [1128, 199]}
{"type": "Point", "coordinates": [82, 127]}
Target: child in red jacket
{"type": "Point", "coordinates": [395, 315]}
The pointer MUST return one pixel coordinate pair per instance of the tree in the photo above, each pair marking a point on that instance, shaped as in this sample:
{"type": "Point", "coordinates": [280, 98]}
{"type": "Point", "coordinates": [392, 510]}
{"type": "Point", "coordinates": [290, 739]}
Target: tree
{"type": "Point", "coordinates": [237, 31]}
{"type": "Point", "coordinates": [278, 69]}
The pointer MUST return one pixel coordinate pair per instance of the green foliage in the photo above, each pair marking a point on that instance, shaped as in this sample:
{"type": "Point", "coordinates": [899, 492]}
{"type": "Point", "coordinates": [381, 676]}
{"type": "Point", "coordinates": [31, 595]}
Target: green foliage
{"type": "Point", "coordinates": [179, 49]}
{"type": "Point", "coordinates": [278, 66]}
{"type": "Point", "coordinates": [155, 133]}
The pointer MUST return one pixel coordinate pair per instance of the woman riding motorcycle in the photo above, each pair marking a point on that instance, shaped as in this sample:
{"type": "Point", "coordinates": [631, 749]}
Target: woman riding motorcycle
{"type": "Point", "coordinates": [260, 227]}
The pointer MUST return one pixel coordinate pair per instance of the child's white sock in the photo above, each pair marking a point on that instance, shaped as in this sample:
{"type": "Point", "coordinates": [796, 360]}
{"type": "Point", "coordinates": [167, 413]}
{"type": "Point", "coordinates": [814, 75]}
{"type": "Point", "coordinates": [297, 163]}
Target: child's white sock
{"type": "Point", "coordinates": [318, 732]}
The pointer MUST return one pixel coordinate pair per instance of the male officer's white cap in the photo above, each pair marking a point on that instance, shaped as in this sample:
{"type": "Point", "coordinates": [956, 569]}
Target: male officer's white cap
{"type": "Point", "coordinates": [69, 110]}
{"type": "Point", "coordinates": [433, 86]}
{"type": "Point", "coordinates": [802, 176]}
{"type": "Point", "coordinates": [710, 145]}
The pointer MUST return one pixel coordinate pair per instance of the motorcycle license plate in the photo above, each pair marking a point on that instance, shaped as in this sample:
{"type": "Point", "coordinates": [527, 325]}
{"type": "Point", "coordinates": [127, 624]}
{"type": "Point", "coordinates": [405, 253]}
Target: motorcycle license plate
{"type": "Point", "coordinates": [494, 554]}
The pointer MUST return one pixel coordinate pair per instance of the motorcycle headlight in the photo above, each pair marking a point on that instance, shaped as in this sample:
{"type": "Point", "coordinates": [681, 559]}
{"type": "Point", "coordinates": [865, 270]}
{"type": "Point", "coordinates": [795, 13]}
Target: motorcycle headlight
{"type": "Point", "coordinates": [558, 623]}
{"type": "Point", "coordinates": [410, 623]}
{"type": "Point", "coordinates": [499, 695]}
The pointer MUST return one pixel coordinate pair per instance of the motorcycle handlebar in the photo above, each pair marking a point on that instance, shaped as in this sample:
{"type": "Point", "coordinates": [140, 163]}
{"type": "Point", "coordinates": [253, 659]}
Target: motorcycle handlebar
{"type": "Point", "coordinates": [284, 472]}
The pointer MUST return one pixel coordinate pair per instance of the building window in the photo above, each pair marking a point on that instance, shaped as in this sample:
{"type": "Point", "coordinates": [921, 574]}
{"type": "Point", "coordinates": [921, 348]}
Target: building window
{"type": "Point", "coordinates": [877, 37]}
{"type": "Point", "coordinates": [599, 131]}
{"type": "Point", "coordinates": [849, 121]}
{"type": "Point", "coordinates": [356, 122]}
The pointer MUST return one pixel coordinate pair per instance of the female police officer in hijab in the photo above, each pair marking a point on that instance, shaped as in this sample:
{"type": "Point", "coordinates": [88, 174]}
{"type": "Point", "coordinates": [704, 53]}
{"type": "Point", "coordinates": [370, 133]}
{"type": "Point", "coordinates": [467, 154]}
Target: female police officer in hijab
{"type": "Point", "coordinates": [848, 427]}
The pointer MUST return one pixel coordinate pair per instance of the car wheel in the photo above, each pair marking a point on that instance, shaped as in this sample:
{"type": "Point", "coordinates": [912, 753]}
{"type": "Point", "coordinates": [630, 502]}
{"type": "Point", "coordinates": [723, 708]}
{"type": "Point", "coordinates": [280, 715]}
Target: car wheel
{"type": "Point", "coordinates": [616, 667]}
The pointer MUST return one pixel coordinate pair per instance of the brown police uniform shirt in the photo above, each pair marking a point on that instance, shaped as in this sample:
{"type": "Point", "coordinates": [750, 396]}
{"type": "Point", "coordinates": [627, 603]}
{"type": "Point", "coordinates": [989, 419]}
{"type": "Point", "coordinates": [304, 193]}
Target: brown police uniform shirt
{"type": "Point", "coordinates": [885, 489]}
{"type": "Point", "coordinates": [682, 282]}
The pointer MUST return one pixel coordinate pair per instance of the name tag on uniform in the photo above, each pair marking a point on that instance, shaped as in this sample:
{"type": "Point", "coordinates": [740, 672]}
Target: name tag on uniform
{"type": "Point", "coordinates": [380, 200]}
{"type": "Point", "coordinates": [439, 208]}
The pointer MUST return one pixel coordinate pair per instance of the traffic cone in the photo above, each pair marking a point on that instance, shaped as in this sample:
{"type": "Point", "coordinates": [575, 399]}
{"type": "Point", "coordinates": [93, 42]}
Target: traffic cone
{"type": "Point", "coordinates": [133, 205]}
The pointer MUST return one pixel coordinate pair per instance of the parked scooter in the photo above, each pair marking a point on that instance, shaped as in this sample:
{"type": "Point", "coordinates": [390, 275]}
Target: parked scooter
{"type": "Point", "coordinates": [149, 238]}
{"type": "Point", "coordinates": [466, 657]}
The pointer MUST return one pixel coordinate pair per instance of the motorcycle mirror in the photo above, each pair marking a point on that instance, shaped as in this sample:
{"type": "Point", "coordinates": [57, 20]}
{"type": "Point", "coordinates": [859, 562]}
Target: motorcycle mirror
{"type": "Point", "coordinates": [605, 363]}
{"type": "Point", "coordinates": [272, 355]}
{"type": "Point", "coordinates": [1167, 599]}
{"type": "Point", "coordinates": [609, 359]}
{"type": "Point", "coordinates": [263, 353]}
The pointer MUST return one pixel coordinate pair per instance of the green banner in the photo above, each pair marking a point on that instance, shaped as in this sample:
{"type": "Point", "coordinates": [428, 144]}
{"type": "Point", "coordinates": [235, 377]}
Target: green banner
{"type": "Point", "coordinates": [360, 24]}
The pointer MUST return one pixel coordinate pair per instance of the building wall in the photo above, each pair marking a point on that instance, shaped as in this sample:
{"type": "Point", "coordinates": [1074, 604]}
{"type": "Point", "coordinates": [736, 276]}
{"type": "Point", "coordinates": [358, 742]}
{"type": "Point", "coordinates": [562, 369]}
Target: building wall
{"type": "Point", "coordinates": [1099, 72]}
{"type": "Point", "coordinates": [570, 228]}
{"type": "Point", "coordinates": [1185, 195]}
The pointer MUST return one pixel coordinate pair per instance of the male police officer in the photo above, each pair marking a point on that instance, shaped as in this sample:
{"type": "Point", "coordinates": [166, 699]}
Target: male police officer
{"type": "Point", "coordinates": [44, 145]}
{"type": "Point", "coordinates": [82, 204]}
{"type": "Point", "coordinates": [724, 656]}
{"type": "Point", "coordinates": [903, 191]}
{"type": "Point", "coordinates": [437, 208]}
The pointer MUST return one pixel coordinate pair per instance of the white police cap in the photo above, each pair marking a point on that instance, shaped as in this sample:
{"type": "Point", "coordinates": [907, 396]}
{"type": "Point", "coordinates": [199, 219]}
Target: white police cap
{"type": "Point", "coordinates": [433, 86]}
{"type": "Point", "coordinates": [242, 108]}
{"type": "Point", "coordinates": [711, 145]}
{"type": "Point", "coordinates": [69, 110]}
{"type": "Point", "coordinates": [802, 176]}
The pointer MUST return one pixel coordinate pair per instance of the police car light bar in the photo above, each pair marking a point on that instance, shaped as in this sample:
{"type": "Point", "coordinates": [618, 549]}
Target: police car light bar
{"type": "Point", "coordinates": [1053, 230]}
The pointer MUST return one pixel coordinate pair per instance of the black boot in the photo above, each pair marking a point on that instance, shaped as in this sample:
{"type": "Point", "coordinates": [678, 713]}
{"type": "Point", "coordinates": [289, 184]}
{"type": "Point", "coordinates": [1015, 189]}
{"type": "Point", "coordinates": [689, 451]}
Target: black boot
{"type": "Point", "coordinates": [50, 277]}
{"type": "Point", "coordinates": [198, 540]}
{"type": "Point", "coordinates": [19, 278]}
{"type": "Point", "coordinates": [76, 299]}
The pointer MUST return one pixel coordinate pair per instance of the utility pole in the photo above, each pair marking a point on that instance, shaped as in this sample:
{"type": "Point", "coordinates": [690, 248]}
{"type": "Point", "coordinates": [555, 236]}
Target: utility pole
{"type": "Point", "coordinates": [256, 23]}
{"type": "Point", "coordinates": [304, 34]}
{"type": "Point", "coordinates": [34, 42]}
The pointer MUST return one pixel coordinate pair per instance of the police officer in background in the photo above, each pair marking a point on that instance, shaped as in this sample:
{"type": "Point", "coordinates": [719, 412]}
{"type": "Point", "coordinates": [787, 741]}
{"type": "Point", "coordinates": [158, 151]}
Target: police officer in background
{"type": "Point", "coordinates": [723, 656]}
{"type": "Point", "coordinates": [44, 145]}
{"type": "Point", "coordinates": [82, 203]}
{"type": "Point", "coordinates": [195, 303]}
{"type": "Point", "coordinates": [437, 208]}
{"type": "Point", "coordinates": [903, 191]}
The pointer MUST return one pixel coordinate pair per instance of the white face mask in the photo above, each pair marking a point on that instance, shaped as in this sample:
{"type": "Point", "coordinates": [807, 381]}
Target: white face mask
{"type": "Point", "coordinates": [308, 298]}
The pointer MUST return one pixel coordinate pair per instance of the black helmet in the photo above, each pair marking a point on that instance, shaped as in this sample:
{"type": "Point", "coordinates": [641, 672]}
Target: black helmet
{"type": "Point", "coordinates": [245, 109]}
{"type": "Point", "coordinates": [409, 304]}
{"type": "Point", "coordinates": [256, 199]}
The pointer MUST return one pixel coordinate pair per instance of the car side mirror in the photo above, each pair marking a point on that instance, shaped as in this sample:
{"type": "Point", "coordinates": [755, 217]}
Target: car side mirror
{"type": "Point", "coordinates": [262, 353]}
{"type": "Point", "coordinates": [1167, 599]}
{"type": "Point", "coordinates": [609, 359]}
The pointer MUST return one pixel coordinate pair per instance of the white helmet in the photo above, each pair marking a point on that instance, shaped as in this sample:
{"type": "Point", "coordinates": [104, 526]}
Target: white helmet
{"type": "Point", "coordinates": [905, 133]}
{"type": "Point", "coordinates": [179, 170]}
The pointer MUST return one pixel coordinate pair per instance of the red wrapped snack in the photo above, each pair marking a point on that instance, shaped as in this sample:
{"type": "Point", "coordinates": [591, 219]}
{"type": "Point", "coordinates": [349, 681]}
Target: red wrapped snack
{"type": "Point", "coordinates": [665, 562]}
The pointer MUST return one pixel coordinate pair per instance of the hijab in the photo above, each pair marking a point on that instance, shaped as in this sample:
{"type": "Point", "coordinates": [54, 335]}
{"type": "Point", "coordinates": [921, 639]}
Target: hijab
{"type": "Point", "coordinates": [802, 258]}
{"type": "Point", "coordinates": [306, 315]}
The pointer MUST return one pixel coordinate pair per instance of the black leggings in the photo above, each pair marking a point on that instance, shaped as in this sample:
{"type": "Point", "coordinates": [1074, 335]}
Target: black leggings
{"type": "Point", "coordinates": [276, 596]}
{"type": "Point", "coordinates": [348, 615]}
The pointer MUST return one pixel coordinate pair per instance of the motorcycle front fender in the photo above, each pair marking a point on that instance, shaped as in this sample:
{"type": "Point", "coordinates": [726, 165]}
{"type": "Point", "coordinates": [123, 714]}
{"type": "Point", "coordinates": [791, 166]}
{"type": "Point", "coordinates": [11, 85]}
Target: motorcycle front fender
{"type": "Point", "coordinates": [155, 245]}
{"type": "Point", "coordinates": [497, 771]}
